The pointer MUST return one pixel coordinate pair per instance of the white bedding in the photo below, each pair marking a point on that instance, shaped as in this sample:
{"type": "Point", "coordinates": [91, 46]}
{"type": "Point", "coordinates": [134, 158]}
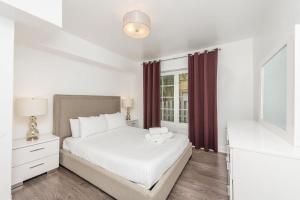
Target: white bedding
{"type": "Point", "coordinates": [125, 152]}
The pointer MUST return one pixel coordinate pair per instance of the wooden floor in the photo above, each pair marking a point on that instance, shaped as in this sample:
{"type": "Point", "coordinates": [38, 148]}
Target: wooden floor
{"type": "Point", "coordinates": [204, 178]}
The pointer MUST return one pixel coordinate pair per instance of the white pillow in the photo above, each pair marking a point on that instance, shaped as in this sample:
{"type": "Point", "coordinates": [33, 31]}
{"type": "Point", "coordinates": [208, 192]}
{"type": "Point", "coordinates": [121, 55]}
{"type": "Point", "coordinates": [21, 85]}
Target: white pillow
{"type": "Point", "coordinates": [92, 125]}
{"type": "Point", "coordinates": [75, 127]}
{"type": "Point", "coordinates": [115, 120]}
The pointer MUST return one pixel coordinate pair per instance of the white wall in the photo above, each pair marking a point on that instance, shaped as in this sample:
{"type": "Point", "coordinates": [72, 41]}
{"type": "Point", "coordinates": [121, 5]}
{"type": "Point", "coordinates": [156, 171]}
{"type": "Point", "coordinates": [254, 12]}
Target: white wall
{"type": "Point", "coordinates": [42, 74]}
{"type": "Point", "coordinates": [48, 10]}
{"type": "Point", "coordinates": [56, 41]}
{"type": "Point", "coordinates": [6, 104]}
{"type": "Point", "coordinates": [277, 29]}
{"type": "Point", "coordinates": [235, 83]}
{"type": "Point", "coordinates": [297, 85]}
{"type": "Point", "coordinates": [75, 47]}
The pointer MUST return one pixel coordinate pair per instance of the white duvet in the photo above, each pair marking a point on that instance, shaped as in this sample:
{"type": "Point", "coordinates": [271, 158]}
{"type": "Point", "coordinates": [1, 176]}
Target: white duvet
{"type": "Point", "coordinates": [125, 152]}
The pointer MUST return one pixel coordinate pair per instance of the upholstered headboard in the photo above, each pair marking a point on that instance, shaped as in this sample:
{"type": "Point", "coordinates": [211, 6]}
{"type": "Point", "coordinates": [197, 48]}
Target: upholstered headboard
{"type": "Point", "coordinates": [73, 106]}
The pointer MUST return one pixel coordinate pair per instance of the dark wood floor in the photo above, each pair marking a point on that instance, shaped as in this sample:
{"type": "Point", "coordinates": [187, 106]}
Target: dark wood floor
{"type": "Point", "coordinates": [204, 178]}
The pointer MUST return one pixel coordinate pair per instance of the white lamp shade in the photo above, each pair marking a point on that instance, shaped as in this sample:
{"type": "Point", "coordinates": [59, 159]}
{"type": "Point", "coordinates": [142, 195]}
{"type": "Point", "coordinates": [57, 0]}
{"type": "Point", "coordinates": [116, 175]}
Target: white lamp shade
{"type": "Point", "coordinates": [31, 106]}
{"type": "Point", "coordinates": [136, 24]}
{"type": "Point", "coordinates": [127, 103]}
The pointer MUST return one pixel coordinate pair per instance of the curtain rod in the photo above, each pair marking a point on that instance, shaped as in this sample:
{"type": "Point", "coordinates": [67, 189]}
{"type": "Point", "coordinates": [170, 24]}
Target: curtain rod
{"type": "Point", "coordinates": [175, 58]}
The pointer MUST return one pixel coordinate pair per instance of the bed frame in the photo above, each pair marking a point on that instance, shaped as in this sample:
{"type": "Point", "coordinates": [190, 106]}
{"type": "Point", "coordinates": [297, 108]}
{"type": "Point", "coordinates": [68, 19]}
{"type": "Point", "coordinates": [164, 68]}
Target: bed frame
{"type": "Point", "coordinates": [73, 106]}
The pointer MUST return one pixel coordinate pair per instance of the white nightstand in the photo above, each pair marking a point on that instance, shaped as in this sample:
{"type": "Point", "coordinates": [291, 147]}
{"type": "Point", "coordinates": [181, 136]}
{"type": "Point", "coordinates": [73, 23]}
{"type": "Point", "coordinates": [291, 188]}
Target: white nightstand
{"type": "Point", "coordinates": [133, 123]}
{"type": "Point", "coordinates": [32, 158]}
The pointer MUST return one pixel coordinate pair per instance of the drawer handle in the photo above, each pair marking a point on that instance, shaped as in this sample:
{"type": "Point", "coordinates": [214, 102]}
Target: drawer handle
{"type": "Point", "coordinates": [37, 149]}
{"type": "Point", "coordinates": [37, 165]}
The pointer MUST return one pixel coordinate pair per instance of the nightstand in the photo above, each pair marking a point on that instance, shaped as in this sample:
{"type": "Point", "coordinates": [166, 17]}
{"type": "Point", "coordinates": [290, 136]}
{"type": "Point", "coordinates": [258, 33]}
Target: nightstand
{"type": "Point", "coordinates": [32, 158]}
{"type": "Point", "coordinates": [133, 123]}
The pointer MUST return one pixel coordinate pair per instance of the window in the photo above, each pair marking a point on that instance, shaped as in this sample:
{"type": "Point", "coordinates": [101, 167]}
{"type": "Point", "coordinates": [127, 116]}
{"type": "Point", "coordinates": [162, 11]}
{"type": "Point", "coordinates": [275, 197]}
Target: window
{"type": "Point", "coordinates": [183, 97]}
{"type": "Point", "coordinates": [174, 96]}
{"type": "Point", "coordinates": [167, 97]}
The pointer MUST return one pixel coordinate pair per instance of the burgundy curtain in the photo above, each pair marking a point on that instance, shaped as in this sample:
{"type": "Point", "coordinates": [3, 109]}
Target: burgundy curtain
{"type": "Point", "coordinates": [202, 80]}
{"type": "Point", "coordinates": [151, 94]}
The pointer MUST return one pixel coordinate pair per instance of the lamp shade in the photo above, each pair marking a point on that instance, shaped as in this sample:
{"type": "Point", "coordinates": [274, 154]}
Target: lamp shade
{"type": "Point", "coordinates": [136, 24]}
{"type": "Point", "coordinates": [31, 106]}
{"type": "Point", "coordinates": [127, 103]}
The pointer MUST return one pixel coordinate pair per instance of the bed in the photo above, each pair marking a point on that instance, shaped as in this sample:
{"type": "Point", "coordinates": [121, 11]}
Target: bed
{"type": "Point", "coordinates": [139, 181]}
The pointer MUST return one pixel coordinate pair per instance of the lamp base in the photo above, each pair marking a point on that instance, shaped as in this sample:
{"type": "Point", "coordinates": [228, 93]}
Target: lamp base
{"type": "Point", "coordinates": [128, 114]}
{"type": "Point", "coordinates": [33, 132]}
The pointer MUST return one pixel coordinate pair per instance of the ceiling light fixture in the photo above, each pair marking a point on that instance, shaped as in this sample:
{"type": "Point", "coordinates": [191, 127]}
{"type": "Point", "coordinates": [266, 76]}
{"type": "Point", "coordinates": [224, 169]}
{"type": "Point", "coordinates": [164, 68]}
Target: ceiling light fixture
{"type": "Point", "coordinates": [136, 24]}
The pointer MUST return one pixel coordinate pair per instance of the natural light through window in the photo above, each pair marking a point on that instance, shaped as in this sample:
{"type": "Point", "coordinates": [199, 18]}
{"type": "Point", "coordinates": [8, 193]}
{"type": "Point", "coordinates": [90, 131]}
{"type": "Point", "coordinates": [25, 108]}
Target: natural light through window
{"type": "Point", "coordinates": [174, 96]}
{"type": "Point", "coordinates": [167, 97]}
{"type": "Point", "coordinates": [183, 98]}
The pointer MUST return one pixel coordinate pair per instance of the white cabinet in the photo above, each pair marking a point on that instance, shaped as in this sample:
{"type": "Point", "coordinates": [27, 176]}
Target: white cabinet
{"type": "Point", "coordinates": [133, 123]}
{"type": "Point", "coordinates": [261, 165]}
{"type": "Point", "coordinates": [32, 158]}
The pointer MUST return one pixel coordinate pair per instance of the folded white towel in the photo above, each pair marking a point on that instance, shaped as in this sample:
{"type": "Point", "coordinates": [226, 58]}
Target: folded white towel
{"type": "Point", "coordinates": [158, 130]}
{"type": "Point", "coordinates": [158, 138]}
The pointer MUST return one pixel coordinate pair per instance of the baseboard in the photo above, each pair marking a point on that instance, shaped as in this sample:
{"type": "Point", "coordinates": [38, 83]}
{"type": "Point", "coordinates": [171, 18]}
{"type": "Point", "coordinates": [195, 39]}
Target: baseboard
{"type": "Point", "coordinates": [222, 149]}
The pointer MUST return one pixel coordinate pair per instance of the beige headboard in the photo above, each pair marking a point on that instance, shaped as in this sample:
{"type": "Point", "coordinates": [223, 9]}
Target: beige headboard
{"type": "Point", "coordinates": [73, 106]}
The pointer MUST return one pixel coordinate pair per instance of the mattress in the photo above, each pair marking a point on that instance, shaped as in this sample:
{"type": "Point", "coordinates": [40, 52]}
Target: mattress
{"type": "Point", "coordinates": [125, 152]}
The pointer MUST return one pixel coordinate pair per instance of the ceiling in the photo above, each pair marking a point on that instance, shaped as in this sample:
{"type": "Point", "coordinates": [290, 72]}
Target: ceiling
{"type": "Point", "coordinates": [177, 25]}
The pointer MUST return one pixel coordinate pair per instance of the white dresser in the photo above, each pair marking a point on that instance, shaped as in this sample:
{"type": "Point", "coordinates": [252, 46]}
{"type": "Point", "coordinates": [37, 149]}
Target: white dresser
{"type": "Point", "coordinates": [32, 158]}
{"type": "Point", "coordinates": [261, 165]}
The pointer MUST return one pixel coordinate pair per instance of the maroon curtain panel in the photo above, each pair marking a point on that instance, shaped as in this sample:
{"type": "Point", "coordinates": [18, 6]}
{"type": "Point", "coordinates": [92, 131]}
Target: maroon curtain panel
{"type": "Point", "coordinates": [151, 76]}
{"type": "Point", "coordinates": [202, 80]}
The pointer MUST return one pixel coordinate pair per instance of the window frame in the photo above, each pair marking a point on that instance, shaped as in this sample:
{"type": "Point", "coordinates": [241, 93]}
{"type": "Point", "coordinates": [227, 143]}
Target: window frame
{"type": "Point", "coordinates": [176, 74]}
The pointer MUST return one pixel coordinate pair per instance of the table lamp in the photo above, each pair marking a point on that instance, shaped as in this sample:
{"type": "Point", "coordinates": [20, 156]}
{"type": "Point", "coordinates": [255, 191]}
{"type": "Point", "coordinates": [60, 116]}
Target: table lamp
{"type": "Point", "coordinates": [127, 103]}
{"type": "Point", "coordinates": [32, 107]}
